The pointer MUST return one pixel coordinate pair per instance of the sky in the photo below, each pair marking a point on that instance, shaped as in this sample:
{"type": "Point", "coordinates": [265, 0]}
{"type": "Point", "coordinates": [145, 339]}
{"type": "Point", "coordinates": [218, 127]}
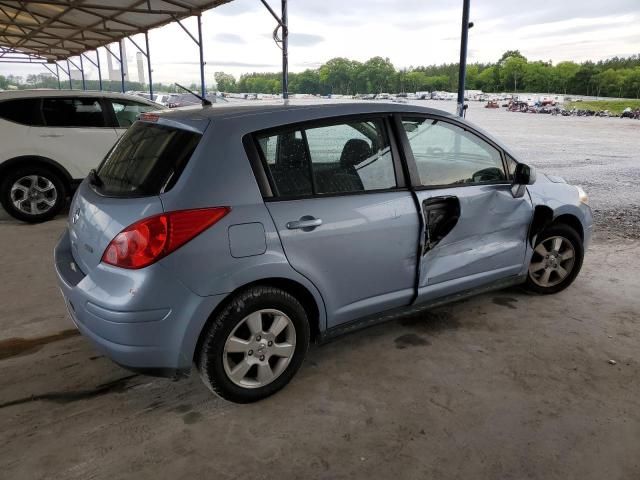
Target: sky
{"type": "Point", "coordinates": [238, 35]}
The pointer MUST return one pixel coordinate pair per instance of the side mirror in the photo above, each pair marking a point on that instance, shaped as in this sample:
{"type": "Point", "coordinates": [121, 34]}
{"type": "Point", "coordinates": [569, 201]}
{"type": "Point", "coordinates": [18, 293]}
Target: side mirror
{"type": "Point", "coordinates": [522, 176]}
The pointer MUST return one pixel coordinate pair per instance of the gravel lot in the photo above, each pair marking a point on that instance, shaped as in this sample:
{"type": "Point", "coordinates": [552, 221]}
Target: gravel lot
{"type": "Point", "coordinates": [503, 386]}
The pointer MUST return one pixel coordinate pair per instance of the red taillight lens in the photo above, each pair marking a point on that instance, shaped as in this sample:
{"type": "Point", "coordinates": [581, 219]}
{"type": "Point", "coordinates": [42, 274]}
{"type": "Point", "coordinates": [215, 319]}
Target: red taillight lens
{"type": "Point", "coordinates": [148, 240]}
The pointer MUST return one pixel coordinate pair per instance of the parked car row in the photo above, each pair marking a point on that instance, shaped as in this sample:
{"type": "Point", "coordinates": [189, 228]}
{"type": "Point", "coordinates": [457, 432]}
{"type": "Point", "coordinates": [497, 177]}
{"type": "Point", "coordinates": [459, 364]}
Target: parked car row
{"type": "Point", "coordinates": [52, 139]}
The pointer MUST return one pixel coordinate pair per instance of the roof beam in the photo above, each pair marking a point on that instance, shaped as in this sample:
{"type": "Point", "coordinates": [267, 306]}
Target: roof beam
{"type": "Point", "coordinates": [156, 11]}
{"type": "Point", "coordinates": [48, 28]}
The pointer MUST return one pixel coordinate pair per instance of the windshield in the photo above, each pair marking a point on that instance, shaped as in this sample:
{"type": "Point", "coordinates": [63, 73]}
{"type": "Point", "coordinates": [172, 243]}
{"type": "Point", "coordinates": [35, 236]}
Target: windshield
{"type": "Point", "coordinates": [147, 160]}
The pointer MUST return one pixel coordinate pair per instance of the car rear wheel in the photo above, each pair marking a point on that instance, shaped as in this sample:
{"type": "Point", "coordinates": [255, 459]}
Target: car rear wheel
{"type": "Point", "coordinates": [255, 345]}
{"type": "Point", "coordinates": [556, 261]}
{"type": "Point", "coordinates": [33, 194]}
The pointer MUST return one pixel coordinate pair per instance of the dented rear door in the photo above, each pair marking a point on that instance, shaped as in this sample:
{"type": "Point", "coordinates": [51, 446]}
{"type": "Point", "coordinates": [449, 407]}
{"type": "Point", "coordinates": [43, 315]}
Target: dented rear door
{"type": "Point", "coordinates": [474, 230]}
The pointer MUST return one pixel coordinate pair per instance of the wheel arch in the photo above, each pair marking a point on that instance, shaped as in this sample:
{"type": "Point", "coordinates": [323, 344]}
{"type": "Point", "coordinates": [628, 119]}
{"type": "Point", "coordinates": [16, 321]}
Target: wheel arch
{"type": "Point", "coordinates": [542, 217]}
{"type": "Point", "coordinates": [314, 311]}
{"type": "Point", "coordinates": [571, 221]}
{"type": "Point", "coordinates": [23, 160]}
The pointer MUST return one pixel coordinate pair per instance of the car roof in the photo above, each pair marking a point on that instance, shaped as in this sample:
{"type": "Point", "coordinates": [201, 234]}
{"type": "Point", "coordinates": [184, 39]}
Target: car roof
{"type": "Point", "coordinates": [297, 108]}
{"type": "Point", "coordinates": [253, 116]}
{"type": "Point", "coordinates": [41, 93]}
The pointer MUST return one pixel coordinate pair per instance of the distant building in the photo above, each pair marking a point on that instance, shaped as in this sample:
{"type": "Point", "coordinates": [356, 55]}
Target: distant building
{"type": "Point", "coordinates": [114, 71]}
{"type": "Point", "coordinates": [140, 64]}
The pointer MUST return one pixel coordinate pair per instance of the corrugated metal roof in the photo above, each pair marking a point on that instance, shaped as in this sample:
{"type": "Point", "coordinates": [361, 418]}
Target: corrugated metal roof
{"type": "Point", "coordinates": [56, 30]}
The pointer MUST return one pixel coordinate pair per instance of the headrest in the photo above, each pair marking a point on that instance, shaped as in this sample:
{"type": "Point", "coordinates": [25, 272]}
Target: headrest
{"type": "Point", "coordinates": [355, 151]}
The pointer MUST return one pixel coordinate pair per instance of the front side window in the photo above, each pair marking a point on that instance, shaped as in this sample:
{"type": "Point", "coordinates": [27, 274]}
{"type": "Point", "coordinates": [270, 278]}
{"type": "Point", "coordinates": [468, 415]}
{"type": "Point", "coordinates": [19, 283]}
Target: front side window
{"type": "Point", "coordinates": [511, 165]}
{"type": "Point", "coordinates": [446, 154]}
{"type": "Point", "coordinates": [25, 111]}
{"type": "Point", "coordinates": [127, 111]}
{"type": "Point", "coordinates": [73, 112]}
{"type": "Point", "coordinates": [343, 158]}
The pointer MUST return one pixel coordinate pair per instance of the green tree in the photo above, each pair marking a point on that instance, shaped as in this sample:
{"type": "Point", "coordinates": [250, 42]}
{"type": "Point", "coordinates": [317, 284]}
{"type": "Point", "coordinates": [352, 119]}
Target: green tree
{"type": "Point", "coordinates": [379, 73]}
{"type": "Point", "coordinates": [488, 79]}
{"type": "Point", "coordinates": [511, 54]}
{"type": "Point", "coordinates": [338, 74]}
{"type": "Point", "coordinates": [512, 71]}
{"type": "Point", "coordinates": [537, 77]}
{"type": "Point", "coordinates": [632, 82]}
{"type": "Point", "coordinates": [225, 82]}
{"type": "Point", "coordinates": [566, 72]}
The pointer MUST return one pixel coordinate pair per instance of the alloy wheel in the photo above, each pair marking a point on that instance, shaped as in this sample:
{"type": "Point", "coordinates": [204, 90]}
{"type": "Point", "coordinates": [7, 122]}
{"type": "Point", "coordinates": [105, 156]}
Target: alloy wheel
{"type": "Point", "coordinates": [553, 260]}
{"type": "Point", "coordinates": [33, 194]}
{"type": "Point", "coordinates": [259, 348]}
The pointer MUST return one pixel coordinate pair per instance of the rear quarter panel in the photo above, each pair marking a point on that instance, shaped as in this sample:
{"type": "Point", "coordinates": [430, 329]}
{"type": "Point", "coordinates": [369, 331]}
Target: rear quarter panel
{"type": "Point", "coordinates": [219, 174]}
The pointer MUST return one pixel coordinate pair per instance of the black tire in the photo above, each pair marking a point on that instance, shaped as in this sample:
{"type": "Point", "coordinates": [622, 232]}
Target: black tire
{"type": "Point", "coordinates": [209, 359]}
{"type": "Point", "coordinates": [11, 177]}
{"type": "Point", "coordinates": [568, 233]}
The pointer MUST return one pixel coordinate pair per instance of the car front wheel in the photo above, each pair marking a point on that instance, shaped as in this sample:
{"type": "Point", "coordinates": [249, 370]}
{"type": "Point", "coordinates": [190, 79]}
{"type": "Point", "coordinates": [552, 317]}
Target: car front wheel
{"type": "Point", "coordinates": [556, 261]}
{"type": "Point", "coordinates": [255, 345]}
{"type": "Point", "coordinates": [32, 194]}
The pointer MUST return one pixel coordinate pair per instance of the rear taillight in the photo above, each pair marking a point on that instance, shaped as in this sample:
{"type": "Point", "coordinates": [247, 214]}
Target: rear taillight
{"type": "Point", "coordinates": [152, 238]}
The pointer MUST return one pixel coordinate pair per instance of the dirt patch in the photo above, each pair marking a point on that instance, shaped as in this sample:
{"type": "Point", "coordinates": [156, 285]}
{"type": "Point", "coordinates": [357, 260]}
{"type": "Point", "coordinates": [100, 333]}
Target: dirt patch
{"type": "Point", "coordinates": [505, 302]}
{"type": "Point", "coordinates": [191, 418]}
{"type": "Point", "coordinates": [431, 322]}
{"type": "Point", "coordinates": [13, 347]}
{"type": "Point", "coordinates": [116, 386]}
{"type": "Point", "coordinates": [411, 340]}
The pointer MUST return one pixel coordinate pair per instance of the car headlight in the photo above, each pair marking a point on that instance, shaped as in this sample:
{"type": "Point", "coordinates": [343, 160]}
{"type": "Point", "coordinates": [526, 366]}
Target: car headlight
{"type": "Point", "coordinates": [582, 195]}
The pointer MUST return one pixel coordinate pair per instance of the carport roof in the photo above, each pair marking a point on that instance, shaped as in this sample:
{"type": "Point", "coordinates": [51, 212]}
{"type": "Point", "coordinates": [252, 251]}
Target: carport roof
{"type": "Point", "coordinates": [59, 29]}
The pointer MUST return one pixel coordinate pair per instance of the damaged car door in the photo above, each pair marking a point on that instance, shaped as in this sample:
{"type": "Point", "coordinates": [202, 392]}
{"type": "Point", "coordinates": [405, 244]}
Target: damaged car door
{"type": "Point", "coordinates": [474, 229]}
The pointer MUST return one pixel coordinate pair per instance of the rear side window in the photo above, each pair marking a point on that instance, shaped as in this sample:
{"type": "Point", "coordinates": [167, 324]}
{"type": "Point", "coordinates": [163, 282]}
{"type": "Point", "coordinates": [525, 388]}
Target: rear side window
{"type": "Point", "coordinates": [25, 111]}
{"type": "Point", "coordinates": [73, 112]}
{"type": "Point", "coordinates": [333, 159]}
{"type": "Point", "coordinates": [147, 160]}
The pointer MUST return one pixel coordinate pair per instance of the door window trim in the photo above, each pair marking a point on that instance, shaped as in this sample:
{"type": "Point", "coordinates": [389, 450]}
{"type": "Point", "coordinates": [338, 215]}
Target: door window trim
{"type": "Point", "coordinates": [412, 165]}
{"type": "Point", "coordinates": [265, 179]}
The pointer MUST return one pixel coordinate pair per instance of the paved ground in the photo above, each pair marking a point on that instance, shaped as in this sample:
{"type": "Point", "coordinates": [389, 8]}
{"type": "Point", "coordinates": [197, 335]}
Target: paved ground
{"type": "Point", "coordinates": [505, 385]}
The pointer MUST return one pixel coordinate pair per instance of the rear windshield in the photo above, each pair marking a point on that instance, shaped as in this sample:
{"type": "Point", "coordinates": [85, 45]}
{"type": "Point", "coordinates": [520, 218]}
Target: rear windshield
{"type": "Point", "coordinates": [147, 160]}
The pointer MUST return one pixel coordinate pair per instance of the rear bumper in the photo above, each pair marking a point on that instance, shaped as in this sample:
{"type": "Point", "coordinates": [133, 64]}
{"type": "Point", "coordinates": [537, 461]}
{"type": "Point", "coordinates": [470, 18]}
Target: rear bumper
{"type": "Point", "coordinates": [144, 320]}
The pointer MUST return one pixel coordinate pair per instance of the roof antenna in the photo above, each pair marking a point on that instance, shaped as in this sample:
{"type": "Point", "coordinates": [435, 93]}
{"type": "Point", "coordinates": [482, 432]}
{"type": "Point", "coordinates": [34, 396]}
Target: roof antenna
{"type": "Point", "coordinates": [205, 102]}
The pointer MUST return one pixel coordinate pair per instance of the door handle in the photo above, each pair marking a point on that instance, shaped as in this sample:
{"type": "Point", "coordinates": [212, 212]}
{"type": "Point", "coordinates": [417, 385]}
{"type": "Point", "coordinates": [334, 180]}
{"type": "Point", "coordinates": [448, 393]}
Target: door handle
{"type": "Point", "coordinates": [305, 223]}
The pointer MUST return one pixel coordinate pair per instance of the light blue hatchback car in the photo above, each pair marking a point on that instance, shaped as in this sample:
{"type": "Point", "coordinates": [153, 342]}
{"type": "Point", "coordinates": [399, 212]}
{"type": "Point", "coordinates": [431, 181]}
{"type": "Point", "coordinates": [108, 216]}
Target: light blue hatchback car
{"type": "Point", "coordinates": [232, 236]}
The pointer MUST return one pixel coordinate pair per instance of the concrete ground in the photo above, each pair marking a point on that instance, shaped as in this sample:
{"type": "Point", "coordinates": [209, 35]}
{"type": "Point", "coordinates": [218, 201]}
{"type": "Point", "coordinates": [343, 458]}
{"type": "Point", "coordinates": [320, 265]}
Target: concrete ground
{"type": "Point", "coordinates": [506, 385]}
{"type": "Point", "coordinates": [503, 386]}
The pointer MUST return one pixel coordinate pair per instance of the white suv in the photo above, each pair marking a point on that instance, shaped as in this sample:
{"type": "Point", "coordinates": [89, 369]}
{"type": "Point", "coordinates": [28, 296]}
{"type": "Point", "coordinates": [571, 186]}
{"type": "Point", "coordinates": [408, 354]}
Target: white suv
{"type": "Point", "coordinates": [51, 139]}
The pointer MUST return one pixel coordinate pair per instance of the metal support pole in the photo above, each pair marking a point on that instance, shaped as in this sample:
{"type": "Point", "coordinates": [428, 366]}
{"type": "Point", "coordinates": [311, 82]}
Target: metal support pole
{"type": "Point", "coordinates": [202, 85]}
{"type": "Point", "coordinates": [84, 85]}
{"type": "Point", "coordinates": [285, 51]}
{"type": "Point", "coordinates": [463, 56]}
{"type": "Point", "coordinates": [58, 77]}
{"type": "Point", "coordinates": [99, 71]}
{"type": "Point", "coordinates": [69, 73]}
{"type": "Point", "coordinates": [121, 65]}
{"type": "Point", "coordinates": [146, 39]}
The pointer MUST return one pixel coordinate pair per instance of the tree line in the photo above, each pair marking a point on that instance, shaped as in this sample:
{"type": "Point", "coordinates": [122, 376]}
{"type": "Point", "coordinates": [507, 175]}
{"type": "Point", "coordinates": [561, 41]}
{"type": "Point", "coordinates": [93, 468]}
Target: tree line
{"type": "Point", "coordinates": [614, 77]}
